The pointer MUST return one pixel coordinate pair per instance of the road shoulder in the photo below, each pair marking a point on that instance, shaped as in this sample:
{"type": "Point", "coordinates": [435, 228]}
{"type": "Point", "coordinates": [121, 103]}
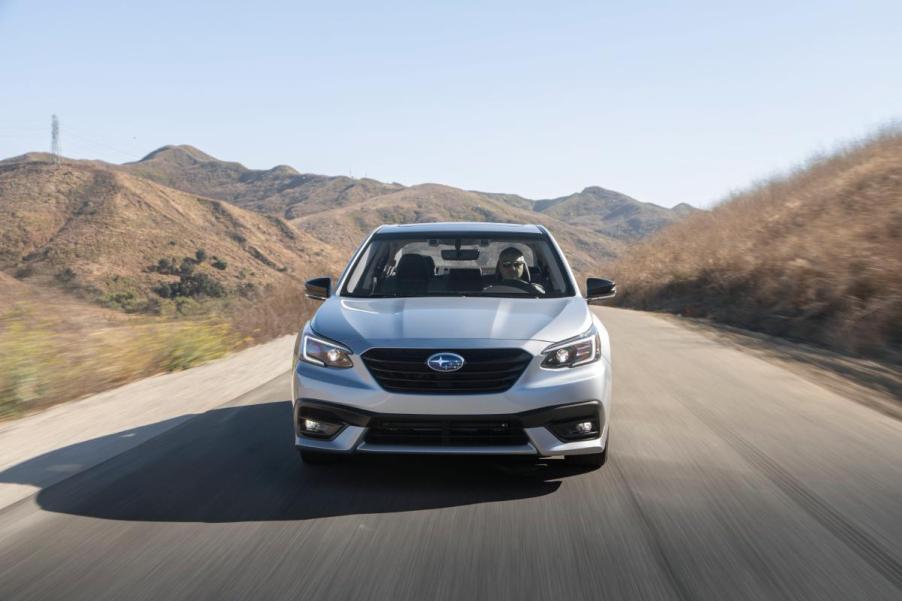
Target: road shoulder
{"type": "Point", "coordinates": [42, 449]}
{"type": "Point", "coordinates": [872, 383]}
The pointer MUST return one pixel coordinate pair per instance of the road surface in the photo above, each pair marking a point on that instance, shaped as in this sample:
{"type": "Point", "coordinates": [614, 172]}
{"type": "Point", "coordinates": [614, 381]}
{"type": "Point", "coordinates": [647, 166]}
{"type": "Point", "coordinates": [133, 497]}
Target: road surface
{"type": "Point", "coordinates": [729, 478]}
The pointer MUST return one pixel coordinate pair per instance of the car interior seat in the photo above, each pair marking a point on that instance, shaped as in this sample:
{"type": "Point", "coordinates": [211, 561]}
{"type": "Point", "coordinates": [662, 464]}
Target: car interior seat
{"type": "Point", "coordinates": [412, 275]}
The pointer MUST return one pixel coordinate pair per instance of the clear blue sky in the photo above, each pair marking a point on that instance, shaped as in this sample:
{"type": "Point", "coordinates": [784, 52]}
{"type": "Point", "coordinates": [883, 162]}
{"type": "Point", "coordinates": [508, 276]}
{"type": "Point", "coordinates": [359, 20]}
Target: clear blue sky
{"type": "Point", "coordinates": [666, 101]}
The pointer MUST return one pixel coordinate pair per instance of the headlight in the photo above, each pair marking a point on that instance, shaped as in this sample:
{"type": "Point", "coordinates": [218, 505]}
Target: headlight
{"type": "Point", "coordinates": [576, 351]}
{"type": "Point", "coordinates": [324, 353]}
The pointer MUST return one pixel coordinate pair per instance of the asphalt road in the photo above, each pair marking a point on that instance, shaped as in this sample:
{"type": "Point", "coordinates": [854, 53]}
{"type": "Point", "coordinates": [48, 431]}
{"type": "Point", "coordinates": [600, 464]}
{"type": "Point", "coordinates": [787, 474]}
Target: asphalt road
{"type": "Point", "coordinates": [729, 478]}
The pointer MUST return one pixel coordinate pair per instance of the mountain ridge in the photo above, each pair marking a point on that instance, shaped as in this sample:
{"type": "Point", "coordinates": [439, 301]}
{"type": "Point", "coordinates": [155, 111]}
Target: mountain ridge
{"type": "Point", "coordinates": [284, 190]}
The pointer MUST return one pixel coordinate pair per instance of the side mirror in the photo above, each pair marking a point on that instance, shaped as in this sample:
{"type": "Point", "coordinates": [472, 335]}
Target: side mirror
{"type": "Point", "coordinates": [599, 289]}
{"type": "Point", "coordinates": [318, 288]}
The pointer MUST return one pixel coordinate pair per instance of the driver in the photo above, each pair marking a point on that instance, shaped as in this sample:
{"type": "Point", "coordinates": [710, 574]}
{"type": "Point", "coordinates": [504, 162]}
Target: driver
{"type": "Point", "coordinates": [512, 266]}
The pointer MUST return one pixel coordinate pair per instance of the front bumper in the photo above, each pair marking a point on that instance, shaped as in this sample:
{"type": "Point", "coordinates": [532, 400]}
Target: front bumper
{"type": "Point", "coordinates": [536, 425]}
{"type": "Point", "coordinates": [541, 397]}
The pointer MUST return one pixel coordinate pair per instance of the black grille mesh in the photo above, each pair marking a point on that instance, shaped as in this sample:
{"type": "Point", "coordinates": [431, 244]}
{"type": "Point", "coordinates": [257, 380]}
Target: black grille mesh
{"type": "Point", "coordinates": [484, 370]}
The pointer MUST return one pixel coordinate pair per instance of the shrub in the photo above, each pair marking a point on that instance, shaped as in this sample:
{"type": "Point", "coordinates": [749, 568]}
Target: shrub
{"type": "Point", "coordinates": [278, 311]}
{"type": "Point", "coordinates": [187, 266]}
{"type": "Point", "coordinates": [200, 284]}
{"type": "Point", "coordinates": [120, 300]}
{"type": "Point", "coordinates": [65, 276]}
{"type": "Point", "coordinates": [192, 285]}
{"type": "Point", "coordinates": [166, 267]}
{"type": "Point", "coordinates": [247, 290]}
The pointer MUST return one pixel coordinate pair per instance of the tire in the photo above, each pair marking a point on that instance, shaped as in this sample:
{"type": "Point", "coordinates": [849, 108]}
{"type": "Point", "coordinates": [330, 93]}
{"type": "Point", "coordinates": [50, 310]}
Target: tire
{"type": "Point", "coordinates": [592, 460]}
{"type": "Point", "coordinates": [317, 458]}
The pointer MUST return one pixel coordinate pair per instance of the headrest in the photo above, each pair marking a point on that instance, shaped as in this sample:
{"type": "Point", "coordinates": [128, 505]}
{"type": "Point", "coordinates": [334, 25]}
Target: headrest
{"type": "Point", "coordinates": [412, 267]}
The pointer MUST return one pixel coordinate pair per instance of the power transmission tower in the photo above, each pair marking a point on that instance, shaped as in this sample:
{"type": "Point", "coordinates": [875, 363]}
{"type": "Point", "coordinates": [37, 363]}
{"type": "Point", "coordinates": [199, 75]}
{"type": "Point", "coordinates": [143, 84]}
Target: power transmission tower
{"type": "Point", "coordinates": [55, 140]}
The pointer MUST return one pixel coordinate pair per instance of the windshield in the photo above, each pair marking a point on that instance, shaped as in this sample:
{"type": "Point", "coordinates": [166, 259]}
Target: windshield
{"type": "Point", "coordinates": [509, 266]}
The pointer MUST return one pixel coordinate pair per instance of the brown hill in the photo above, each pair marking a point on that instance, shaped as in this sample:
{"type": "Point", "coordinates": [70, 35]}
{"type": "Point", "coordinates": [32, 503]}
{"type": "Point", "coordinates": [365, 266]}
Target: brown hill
{"type": "Point", "coordinates": [816, 255]}
{"type": "Point", "coordinates": [612, 213]}
{"type": "Point", "coordinates": [279, 191]}
{"type": "Point", "coordinates": [285, 192]}
{"type": "Point", "coordinates": [103, 233]}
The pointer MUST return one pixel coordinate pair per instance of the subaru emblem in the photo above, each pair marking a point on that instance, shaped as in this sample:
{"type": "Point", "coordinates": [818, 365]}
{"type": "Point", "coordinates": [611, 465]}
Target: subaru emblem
{"type": "Point", "coordinates": [445, 362]}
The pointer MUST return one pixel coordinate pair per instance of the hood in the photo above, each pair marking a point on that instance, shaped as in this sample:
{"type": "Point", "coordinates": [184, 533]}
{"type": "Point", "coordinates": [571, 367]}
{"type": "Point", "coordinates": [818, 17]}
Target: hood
{"type": "Point", "coordinates": [363, 323]}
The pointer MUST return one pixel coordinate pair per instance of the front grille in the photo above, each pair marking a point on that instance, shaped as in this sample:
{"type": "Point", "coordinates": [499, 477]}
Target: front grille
{"type": "Point", "coordinates": [484, 370]}
{"type": "Point", "coordinates": [446, 433]}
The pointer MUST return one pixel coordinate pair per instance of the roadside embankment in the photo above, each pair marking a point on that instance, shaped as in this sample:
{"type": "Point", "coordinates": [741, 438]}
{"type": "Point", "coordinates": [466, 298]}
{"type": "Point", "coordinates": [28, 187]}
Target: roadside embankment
{"type": "Point", "coordinates": [814, 256]}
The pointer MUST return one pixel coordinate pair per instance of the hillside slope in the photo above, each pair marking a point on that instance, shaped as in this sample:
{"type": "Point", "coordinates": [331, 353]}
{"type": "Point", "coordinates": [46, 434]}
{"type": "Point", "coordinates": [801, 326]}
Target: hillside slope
{"type": "Point", "coordinates": [611, 213]}
{"type": "Point", "coordinates": [285, 192]}
{"type": "Point", "coordinates": [102, 233]}
{"type": "Point", "coordinates": [816, 255]}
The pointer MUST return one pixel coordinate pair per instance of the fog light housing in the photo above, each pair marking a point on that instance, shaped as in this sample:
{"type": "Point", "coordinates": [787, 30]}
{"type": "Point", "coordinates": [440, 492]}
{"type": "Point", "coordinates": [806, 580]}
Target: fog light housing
{"type": "Point", "coordinates": [317, 428]}
{"type": "Point", "coordinates": [583, 428]}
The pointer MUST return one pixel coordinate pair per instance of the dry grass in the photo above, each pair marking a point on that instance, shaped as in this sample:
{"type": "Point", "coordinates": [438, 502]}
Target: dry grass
{"type": "Point", "coordinates": [815, 255]}
{"type": "Point", "coordinates": [277, 312]}
{"type": "Point", "coordinates": [46, 359]}
{"type": "Point", "coordinates": [55, 349]}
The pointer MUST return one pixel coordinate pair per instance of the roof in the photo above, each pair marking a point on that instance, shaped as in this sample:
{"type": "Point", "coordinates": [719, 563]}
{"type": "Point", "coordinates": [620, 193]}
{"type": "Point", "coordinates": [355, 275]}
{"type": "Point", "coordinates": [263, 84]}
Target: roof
{"type": "Point", "coordinates": [460, 227]}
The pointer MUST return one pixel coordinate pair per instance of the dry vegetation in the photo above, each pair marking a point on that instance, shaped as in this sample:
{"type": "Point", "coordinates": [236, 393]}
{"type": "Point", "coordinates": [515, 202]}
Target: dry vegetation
{"type": "Point", "coordinates": [46, 358]}
{"type": "Point", "coordinates": [283, 311]}
{"type": "Point", "coordinates": [132, 244]}
{"type": "Point", "coordinates": [815, 255]}
{"type": "Point", "coordinates": [54, 348]}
